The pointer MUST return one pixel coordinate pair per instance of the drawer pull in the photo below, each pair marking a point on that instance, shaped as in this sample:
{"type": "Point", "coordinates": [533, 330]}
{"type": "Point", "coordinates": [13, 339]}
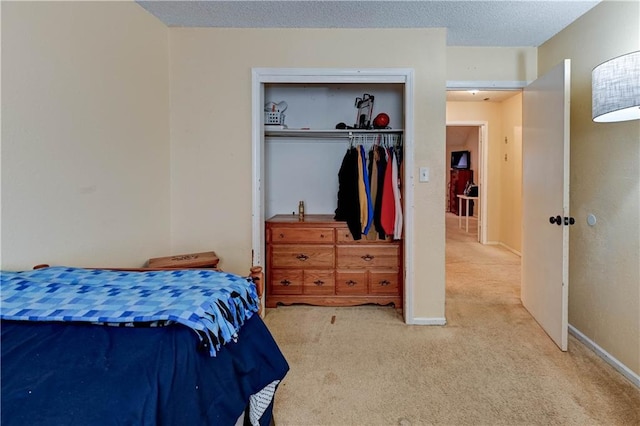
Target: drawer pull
{"type": "Point", "coordinates": [285, 283]}
{"type": "Point", "coordinates": [384, 283]}
{"type": "Point", "coordinates": [302, 257]}
{"type": "Point", "coordinates": [318, 282]}
{"type": "Point", "coordinates": [281, 235]}
{"type": "Point", "coordinates": [351, 283]}
{"type": "Point", "coordinates": [367, 258]}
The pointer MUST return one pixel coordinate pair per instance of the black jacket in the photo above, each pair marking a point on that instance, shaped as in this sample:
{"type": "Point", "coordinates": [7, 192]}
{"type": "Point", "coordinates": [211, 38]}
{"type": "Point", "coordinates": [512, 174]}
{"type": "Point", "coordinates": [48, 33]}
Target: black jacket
{"type": "Point", "coordinates": [348, 209]}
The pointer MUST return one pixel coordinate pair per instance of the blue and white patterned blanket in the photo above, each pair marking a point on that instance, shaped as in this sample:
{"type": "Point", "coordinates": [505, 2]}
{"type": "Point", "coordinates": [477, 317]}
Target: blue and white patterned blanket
{"type": "Point", "coordinates": [214, 304]}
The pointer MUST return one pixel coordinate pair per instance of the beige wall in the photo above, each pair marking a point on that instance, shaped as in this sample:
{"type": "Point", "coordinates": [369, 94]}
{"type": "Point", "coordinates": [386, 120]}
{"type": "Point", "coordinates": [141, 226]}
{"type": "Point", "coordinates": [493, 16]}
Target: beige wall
{"type": "Point", "coordinates": [211, 131]}
{"type": "Point", "coordinates": [497, 65]}
{"type": "Point", "coordinates": [511, 174]}
{"type": "Point", "coordinates": [604, 272]}
{"type": "Point", "coordinates": [85, 134]}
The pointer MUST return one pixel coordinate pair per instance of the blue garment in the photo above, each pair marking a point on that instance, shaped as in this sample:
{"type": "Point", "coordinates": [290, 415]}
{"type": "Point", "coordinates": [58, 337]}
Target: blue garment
{"type": "Point", "coordinates": [367, 186]}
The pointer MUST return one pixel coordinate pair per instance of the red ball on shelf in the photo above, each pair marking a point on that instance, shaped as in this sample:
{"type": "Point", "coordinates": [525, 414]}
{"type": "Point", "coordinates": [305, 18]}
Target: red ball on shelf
{"type": "Point", "coordinates": [381, 121]}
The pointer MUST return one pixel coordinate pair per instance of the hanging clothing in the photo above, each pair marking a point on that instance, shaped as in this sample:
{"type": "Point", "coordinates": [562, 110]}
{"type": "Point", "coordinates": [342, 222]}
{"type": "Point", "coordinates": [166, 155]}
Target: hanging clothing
{"type": "Point", "coordinates": [348, 209]}
{"type": "Point", "coordinates": [368, 218]}
{"type": "Point", "coordinates": [395, 176]}
{"type": "Point", "coordinates": [372, 165]}
{"type": "Point", "coordinates": [381, 163]}
{"type": "Point", "coordinates": [370, 191]}
{"type": "Point", "coordinates": [362, 192]}
{"type": "Point", "coordinates": [388, 211]}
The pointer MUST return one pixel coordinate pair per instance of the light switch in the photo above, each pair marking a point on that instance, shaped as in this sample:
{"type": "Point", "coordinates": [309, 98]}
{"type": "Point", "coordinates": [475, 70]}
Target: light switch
{"type": "Point", "coordinates": [424, 174]}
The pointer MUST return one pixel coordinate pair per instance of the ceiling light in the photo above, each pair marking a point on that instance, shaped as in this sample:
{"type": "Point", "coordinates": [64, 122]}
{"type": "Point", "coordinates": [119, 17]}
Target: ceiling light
{"type": "Point", "coordinates": [616, 89]}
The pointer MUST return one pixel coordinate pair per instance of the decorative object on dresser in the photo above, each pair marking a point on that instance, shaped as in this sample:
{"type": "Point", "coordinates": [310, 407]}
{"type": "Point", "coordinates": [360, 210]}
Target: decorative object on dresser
{"type": "Point", "coordinates": [317, 261]}
{"type": "Point", "coordinates": [457, 183]}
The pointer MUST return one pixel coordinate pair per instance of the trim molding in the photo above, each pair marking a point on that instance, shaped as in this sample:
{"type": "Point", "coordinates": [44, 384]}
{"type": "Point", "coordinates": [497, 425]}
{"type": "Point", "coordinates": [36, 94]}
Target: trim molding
{"type": "Point", "coordinates": [428, 321]}
{"type": "Point", "coordinates": [606, 356]}
{"type": "Point", "coordinates": [485, 84]}
{"type": "Point", "coordinates": [512, 250]}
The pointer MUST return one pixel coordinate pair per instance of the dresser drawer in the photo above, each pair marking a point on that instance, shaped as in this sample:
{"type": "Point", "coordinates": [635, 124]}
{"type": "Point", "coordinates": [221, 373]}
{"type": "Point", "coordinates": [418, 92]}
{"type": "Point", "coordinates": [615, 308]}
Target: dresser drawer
{"type": "Point", "coordinates": [384, 282]}
{"type": "Point", "coordinates": [300, 234]}
{"type": "Point", "coordinates": [302, 256]}
{"type": "Point", "coordinates": [285, 282]}
{"type": "Point", "coordinates": [369, 256]}
{"type": "Point", "coordinates": [319, 282]}
{"type": "Point", "coordinates": [351, 282]}
{"type": "Point", "coordinates": [344, 236]}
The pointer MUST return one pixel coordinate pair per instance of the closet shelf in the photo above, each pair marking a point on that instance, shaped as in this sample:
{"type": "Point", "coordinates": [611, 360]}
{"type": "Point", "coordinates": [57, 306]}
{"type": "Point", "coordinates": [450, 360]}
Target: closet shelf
{"type": "Point", "coordinates": [333, 134]}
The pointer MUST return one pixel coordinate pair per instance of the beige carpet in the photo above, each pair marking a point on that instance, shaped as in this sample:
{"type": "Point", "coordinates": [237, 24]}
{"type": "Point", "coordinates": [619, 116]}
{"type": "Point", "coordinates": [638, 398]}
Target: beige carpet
{"type": "Point", "coordinates": [490, 365]}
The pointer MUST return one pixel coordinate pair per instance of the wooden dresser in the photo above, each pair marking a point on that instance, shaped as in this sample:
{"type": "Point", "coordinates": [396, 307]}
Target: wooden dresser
{"type": "Point", "coordinates": [317, 261]}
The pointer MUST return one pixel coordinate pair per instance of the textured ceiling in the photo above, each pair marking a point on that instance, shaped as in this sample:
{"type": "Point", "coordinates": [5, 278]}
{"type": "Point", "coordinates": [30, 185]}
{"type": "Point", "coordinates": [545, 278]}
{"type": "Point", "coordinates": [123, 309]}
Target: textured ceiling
{"type": "Point", "coordinates": [469, 23]}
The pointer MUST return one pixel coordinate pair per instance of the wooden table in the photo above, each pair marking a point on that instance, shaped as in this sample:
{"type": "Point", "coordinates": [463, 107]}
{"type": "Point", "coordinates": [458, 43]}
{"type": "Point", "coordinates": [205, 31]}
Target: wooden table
{"type": "Point", "coordinates": [466, 215]}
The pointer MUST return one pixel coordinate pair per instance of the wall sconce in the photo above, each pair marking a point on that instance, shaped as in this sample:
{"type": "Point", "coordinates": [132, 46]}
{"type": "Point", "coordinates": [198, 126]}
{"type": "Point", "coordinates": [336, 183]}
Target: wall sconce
{"type": "Point", "coordinates": [616, 89]}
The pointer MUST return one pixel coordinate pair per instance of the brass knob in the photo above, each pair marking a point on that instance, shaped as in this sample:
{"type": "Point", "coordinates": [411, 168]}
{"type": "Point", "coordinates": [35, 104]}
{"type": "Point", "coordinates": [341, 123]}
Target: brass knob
{"type": "Point", "coordinates": [351, 283]}
{"type": "Point", "coordinates": [302, 257]}
{"type": "Point", "coordinates": [367, 258]}
{"type": "Point", "coordinates": [384, 283]}
{"type": "Point", "coordinates": [318, 282]}
{"type": "Point", "coordinates": [285, 283]}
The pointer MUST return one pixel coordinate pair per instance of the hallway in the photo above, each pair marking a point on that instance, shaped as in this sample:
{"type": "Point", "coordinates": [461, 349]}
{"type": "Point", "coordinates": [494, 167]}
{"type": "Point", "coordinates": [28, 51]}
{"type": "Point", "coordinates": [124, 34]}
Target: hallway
{"type": "Point", "coordinates": [478, 277]}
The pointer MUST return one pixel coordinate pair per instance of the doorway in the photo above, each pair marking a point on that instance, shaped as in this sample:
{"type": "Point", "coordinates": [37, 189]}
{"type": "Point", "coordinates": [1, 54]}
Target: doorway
{"type": "Point", "coordinates": [491, 123]}
{"type": "Point", "coordinates": [488, 124]}
{"type": "Point", "coordinates": [465, 158]}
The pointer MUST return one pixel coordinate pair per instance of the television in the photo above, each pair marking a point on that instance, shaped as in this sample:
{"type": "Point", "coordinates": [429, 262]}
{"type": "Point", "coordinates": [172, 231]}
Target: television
{"type": "Point", "coordinates": [460, 159]}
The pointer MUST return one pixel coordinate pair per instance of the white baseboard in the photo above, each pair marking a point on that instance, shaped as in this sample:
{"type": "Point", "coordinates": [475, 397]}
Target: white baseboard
{"type": "Point", "coordinates": [498, 243]}
{"type": "Point", "coordinates": [428, 321]}
{"type": "Point", "coordinates": [512, 250]}
{"type": "Point", "coordinates": [606, 356]}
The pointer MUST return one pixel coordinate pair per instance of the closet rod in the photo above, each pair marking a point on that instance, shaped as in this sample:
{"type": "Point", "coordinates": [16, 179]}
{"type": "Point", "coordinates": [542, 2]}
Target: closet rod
{"type": "Point", "coordinates": [347, 133]}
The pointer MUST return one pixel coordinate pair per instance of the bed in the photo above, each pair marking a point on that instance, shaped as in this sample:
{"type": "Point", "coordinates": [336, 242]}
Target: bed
{"type": "Point", "coordinates": [126, 347]}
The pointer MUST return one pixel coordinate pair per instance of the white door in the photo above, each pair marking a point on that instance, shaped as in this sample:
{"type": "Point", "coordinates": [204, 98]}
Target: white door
{"type": "Point", "coordinates": [545, 202]}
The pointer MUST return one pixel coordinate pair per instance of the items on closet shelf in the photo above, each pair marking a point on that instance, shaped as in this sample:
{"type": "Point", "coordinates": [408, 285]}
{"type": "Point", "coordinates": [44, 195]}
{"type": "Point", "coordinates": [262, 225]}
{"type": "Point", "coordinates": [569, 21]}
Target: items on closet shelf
{"type": "Point", "coordinates": [369, 192]}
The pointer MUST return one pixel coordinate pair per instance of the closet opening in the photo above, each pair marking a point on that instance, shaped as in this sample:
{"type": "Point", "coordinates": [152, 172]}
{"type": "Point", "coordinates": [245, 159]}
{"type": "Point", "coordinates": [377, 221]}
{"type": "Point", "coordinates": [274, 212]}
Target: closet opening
{"type": "Point", "coordinates": [309, 256]}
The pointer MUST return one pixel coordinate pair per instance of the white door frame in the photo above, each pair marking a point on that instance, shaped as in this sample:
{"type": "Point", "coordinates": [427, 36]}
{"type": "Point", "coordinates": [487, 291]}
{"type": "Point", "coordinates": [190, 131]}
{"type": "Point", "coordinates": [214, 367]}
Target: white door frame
{"type": "Point", "coordinates": [262, 76]}
{"type": "Point", "coordinates": [482, 165]}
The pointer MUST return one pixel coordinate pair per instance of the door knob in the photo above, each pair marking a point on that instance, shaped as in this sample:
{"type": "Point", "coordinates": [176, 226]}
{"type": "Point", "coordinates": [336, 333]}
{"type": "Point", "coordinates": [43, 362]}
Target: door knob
{"type": "Point", "coordinates": [557, 220]}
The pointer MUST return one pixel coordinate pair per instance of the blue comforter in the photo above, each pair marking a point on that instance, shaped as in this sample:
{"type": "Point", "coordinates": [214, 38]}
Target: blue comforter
{"type": "Point", "coordinates": [212, 303]}
{"type": "Point", "coordinates": [78, 374]}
